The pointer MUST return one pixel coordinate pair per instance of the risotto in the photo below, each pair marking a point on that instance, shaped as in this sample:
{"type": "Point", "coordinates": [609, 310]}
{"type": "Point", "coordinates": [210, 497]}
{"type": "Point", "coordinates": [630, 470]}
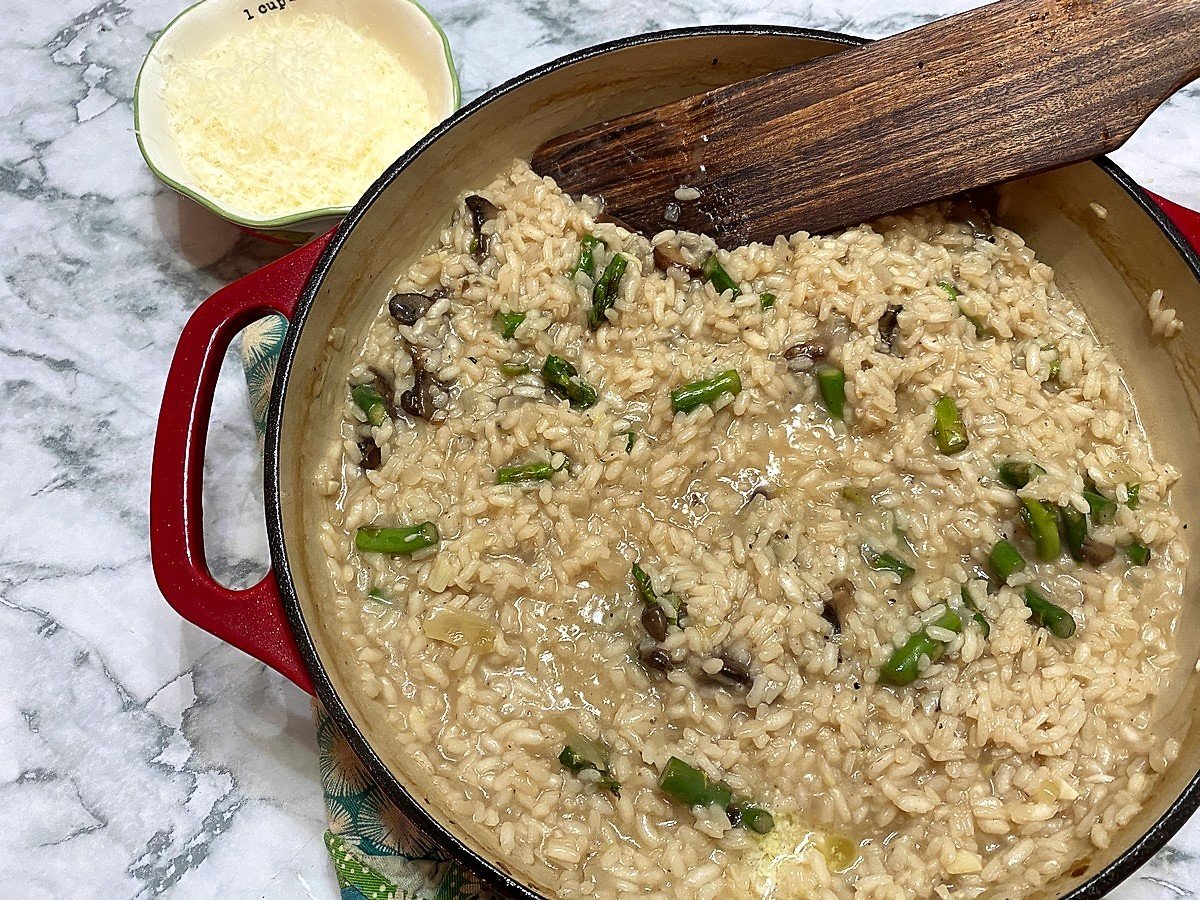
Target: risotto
{"type": "Point", "coordinates": [835, 567]}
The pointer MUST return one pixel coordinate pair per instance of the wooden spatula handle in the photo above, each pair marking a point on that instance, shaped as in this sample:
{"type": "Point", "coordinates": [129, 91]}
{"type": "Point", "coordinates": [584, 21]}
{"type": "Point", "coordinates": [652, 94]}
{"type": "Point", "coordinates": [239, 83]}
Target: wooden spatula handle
{"type": "Point", "coordinates": [1007, 89]}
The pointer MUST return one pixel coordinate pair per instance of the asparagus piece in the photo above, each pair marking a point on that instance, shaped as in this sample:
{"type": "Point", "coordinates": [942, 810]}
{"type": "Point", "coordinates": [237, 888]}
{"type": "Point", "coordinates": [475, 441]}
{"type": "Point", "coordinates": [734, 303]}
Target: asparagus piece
{"type": "Point", "coordinates": [507, 323]}
{"type": "Point", "coordinates": [514, 369]}
{"type": "Point", "coordinates": [405, 540]}
{"type": "Point", "coordinates": [1042, 523]}
{"type": "Point", "coordinates": [1103, 510]}
{"type": "Point", "coordinates": [716, 275]}
{"type": "Point", "coordinates": [367, 398]}
{"type": "Point", "coordinates": [1138, 553]}
{"type": "Point", "coordinates": [1133, 495]}
{"type": "Point", "coordinates": [948, 428]}
{"type": "Point", "coordinates": [831, 382]}
{"type": "Point", "coordinates": [630, 439]}
{"type": "Point", "coordinates": [766, 301]}
{"type": "Point", "coordinates": [1005, 560]}
{"type": "Point", "coordinates": [604, 294]}
{"type": "Point", "coordinates": [706, 391]}
{"type": "Point", "coordinates": [563, 379]}
{"type": "Point", "coordinates": [904, 665]}
{"type": "Point", "coordinates": [886, 562]}
{"type": "Point", "coordinates": [1018, 474]}
{"type": "Point", "coordinates": [690, 786]}
{"type": "Point", "coordinates": [581, 754]}
{"type": "Point", "coordinates": [534, 471]}
{"type": "Point", "coordinates": [687, 784]}
{"type": "Point", "coordinates": [754, 818]}
{"type": "Point", "coordinates": [1049, 615]}
{"type": "Point", "coordinates": [1075, 530]}
{"type": "Point", "coordinates": [587, 260]}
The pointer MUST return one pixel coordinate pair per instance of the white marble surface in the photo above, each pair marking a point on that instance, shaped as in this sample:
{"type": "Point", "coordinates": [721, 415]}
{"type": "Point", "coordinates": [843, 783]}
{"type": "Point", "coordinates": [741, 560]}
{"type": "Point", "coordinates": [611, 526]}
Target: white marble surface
{"type": "Point", "coordinates": [138, 756]}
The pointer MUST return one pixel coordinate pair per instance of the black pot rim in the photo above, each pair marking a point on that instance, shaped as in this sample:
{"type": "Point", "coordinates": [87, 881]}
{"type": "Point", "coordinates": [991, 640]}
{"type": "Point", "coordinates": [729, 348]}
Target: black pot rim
{"type": "Point", "coordinates": [487, 871]}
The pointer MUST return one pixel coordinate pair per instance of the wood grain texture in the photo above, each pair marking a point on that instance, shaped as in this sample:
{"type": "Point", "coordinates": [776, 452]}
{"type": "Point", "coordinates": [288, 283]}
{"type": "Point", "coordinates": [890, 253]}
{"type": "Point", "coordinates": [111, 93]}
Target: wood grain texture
{"type": "Point", "coordinates": [1008, 89]}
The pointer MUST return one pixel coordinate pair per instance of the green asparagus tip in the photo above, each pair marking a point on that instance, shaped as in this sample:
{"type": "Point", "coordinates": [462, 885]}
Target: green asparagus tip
{"type": "Point", "coordinates": [587, 260]}
{"type": "Point", "coordinates": [563, 379]}
{"type": "Point", "coordinates": [604, 294]}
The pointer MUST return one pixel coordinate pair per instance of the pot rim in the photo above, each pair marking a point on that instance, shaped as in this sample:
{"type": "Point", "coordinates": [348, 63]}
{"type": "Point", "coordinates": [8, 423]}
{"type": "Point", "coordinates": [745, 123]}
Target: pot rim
{"type": "Point", "coordinates": [494, 877]}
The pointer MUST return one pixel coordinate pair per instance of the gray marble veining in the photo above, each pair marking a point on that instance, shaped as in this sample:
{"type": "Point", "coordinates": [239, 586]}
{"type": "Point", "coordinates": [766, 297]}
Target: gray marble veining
{"type": "Point", "coordinates": [138, 756]}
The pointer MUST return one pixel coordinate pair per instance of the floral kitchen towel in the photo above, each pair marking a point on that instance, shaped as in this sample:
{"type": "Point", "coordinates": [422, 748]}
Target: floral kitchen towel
{"type": "Point", "coordinates": [377, 852]}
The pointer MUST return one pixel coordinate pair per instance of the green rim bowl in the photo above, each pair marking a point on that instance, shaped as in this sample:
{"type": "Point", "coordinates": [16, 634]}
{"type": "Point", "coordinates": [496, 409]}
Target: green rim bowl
{"type": "Point", "coordinates": [403, 26]}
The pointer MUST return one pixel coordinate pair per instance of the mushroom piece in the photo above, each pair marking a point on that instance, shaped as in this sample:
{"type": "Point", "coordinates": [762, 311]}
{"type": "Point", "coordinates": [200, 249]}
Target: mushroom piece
{"type": "Point", "coordinates": [733, 671]}
{"type": "Point", "coordinates": [370, 455]}
{"type": "Point", "coordinates": [889, 324]}
{"type": "Point", "coordinates": [409, 308]}
{"type": "Point", "coordinates": [682, 250]}
{"type": "Point", "coordinates": [838, 606]}
{"type": "Point", "coordinates": [1095, 553]}
{"type": "Point", "coordinates": [481, 210]}
{"type": "Point", "coordinates": [654, 620]}
{"type": "Point", "coordinates": [964, 209]}
{"type": "Point", "coordinates": [656, 658]}
{"type": "Point", "coordinates": [802, 357]}
{"type": "Point", "coordinates": [417, 401]}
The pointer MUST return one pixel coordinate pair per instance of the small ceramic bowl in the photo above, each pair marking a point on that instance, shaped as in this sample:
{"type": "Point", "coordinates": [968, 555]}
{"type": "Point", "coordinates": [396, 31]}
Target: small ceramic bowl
{"type": "Point", "coordinates": [402, 26]}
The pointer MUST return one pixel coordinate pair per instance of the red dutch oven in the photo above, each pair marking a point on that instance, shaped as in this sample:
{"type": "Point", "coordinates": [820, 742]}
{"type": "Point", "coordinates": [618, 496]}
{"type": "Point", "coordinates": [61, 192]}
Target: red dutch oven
{"type": "Point", "coordinates": [337, 284]}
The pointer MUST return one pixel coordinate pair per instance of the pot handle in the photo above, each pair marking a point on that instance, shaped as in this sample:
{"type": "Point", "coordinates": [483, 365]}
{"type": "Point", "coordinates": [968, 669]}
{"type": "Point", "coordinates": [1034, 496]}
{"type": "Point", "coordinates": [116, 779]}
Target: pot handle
{"type": "Point", "coordinates": [1186, 220]}
{"type": "Point", "coordinates": [253, 619]}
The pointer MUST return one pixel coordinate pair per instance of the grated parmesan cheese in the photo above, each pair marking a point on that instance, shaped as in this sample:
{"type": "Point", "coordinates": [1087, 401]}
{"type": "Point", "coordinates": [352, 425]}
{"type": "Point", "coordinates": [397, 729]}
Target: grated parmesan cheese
{"type": "Point", "coordinates": [295, 113]}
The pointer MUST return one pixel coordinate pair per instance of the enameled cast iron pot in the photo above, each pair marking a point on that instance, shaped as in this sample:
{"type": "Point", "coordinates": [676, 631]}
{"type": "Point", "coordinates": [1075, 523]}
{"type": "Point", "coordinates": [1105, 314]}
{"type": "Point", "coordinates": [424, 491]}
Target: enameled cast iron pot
{"type": "Point", "coordinates": [333, 287]}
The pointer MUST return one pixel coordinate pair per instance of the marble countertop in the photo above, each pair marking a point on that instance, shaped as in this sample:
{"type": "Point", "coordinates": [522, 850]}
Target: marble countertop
{"type": "Point", "coordinates": [138, 756]}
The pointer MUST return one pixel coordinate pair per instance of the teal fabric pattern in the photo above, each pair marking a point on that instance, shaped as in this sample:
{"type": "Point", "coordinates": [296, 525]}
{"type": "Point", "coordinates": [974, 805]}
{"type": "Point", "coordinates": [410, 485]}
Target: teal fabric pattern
{"type": "Point", "coordinates": [377, 853]}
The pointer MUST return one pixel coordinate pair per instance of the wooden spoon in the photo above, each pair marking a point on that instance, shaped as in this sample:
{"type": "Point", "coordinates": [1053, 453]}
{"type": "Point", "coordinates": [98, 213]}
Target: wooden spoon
{"type": "Point", "coordinates": [1008, 89]}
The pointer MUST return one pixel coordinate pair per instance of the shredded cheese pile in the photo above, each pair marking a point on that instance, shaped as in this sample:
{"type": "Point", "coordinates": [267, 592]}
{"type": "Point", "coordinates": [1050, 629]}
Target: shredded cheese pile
{"type": "Point", "coordinates": [292, 113]}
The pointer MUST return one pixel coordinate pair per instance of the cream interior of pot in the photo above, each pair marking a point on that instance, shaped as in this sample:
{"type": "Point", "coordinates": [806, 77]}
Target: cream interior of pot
{"type": "Point", "coordinates": [1109, 265]}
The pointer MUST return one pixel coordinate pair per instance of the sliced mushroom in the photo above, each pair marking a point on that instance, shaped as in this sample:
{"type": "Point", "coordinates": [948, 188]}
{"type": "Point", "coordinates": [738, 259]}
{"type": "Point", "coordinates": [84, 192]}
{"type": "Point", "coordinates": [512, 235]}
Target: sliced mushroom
{"type": "Point", "coordinates": [368, 450]}
{"type": "Point", "coordinates": [417, 401]}
{"type": "Point", "coordinates": [802, 357]}
{"type": "Point", "coordinates": [1095, 553]}
{"type": "Point", "coordinates": [733, 671]}
{"type": "Point", "coordinates": [889, 327]}
{"type": "Point", "coordinates": [839, 605]}
{"type": "Point", "coordinates": [966, 210]}
{"type": "Point", "coordinates": [656, 658]}
{"type": "Point", "coordinates": [481, 210]}
{"type": "Point", "coordinates": [668, 254]}
{"type": "Point", "coordinates": [654, 620]}
{"type": "Point", "coordinates": [682, 250]}
{"type": "Point", "coordinates": [410, 308]}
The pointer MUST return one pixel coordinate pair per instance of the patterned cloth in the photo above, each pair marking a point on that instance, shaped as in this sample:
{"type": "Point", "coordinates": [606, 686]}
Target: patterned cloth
{"type": "Point", "coordinates": [377, 852]}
